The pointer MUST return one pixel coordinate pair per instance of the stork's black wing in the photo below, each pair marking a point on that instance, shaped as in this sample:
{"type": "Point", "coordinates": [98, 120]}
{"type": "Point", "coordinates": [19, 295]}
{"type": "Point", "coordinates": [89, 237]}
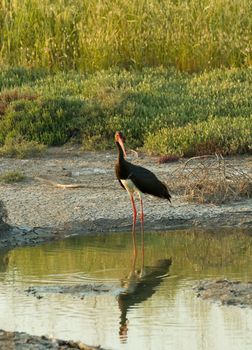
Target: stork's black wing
{"type": "Point", "coordinates": [147, 182]}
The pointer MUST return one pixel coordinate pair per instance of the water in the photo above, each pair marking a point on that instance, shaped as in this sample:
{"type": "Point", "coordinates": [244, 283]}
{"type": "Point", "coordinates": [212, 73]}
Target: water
{"type": "Point", "coordinates": [73, 289]}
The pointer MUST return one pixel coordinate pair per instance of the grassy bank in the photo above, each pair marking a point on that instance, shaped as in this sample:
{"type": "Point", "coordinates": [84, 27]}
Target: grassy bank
{"type": "Point", "coordinates": [190, 35]}
{"type": "Point", "coordinates": [161, 110]}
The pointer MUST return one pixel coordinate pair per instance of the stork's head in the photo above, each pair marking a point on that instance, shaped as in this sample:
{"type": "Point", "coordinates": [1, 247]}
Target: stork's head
{"type": "Point", "coordinates": [119, 138]}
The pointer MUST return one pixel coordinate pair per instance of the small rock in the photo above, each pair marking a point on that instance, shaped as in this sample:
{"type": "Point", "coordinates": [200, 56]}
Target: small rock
{"type": "Point", "coordinates": [25, 228]}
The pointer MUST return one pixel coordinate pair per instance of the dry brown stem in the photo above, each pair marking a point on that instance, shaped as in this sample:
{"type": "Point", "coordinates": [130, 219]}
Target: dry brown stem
{"type": "Point", "coordinates": [211, 179]}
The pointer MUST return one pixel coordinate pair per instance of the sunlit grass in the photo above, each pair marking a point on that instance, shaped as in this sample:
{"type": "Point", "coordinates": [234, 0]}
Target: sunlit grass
{"type": "Point", "coordinates": [89, 35]}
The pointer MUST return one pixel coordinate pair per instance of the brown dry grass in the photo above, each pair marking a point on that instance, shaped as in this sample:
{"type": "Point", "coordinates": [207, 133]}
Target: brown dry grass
{"type": "Point", "coordinates": [7, 97]}
{"type": "Point", "coordinates": [211, 179]}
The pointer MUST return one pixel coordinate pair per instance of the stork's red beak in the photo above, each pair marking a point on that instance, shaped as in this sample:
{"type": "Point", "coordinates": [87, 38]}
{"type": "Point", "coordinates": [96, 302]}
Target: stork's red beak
{"type": "Point", "coordinates": [120, 138]}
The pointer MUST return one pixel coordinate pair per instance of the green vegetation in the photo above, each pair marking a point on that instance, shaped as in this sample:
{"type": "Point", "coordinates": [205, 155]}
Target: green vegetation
{"type": "Point", "coordinates": [171, 74]}
{"type": "Point", "coordinates": [224, 136]}
{"type": "Point", "coordinates": [18, 147]}
{"type": "Point", "coordinates": [11, 177]}
{"type": "Point", "coordinates": [190, 35]}
{"type": "Point", "coordinates": [160, 110]}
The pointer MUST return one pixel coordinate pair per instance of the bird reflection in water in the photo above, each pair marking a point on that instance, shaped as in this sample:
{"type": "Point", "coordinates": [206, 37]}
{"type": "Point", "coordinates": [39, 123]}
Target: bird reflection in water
{"type": "Point", "coordinates": [139, 286]}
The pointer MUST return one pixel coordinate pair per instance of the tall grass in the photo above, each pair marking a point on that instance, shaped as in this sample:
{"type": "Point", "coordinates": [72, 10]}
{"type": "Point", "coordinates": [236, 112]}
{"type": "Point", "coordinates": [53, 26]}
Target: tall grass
{"type": "Point", "coordinates": [191, 35]}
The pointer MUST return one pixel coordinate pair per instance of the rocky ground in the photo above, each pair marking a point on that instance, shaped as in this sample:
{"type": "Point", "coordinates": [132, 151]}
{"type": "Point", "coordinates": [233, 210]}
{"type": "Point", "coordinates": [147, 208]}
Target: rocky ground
{"type": "Point", "coordinates": [24, 341]}
{"type": "Point", "coordinates": [39, 209]}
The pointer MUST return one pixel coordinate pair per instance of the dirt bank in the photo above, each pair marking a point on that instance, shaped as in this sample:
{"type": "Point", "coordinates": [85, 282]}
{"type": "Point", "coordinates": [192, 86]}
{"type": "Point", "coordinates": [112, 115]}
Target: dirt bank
{"type": "Point", "coordinates": [226, 292]}
{"type": "Point", "coordinates": [40, 211]}
{"type": "Point", "coordinates": [24, 341]}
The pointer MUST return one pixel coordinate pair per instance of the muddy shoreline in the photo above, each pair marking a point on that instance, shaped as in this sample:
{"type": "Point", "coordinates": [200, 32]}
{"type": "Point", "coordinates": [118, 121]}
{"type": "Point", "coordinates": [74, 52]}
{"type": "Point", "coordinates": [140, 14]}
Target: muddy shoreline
{"type": "Point", "coordinates": [24, 341]}
{"type": "Point", "coordinates": [40, 212]}
{"type": "Point", "coordinates": [225, 292]}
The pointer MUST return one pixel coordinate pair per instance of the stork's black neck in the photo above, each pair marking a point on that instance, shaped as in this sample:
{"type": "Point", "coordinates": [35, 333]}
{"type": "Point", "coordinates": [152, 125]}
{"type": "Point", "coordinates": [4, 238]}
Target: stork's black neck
{"type": "Point", "coordinates": [120, 153]}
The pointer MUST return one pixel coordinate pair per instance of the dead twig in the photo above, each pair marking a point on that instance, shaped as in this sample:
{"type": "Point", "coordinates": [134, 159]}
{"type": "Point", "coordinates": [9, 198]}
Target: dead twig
{"type": "Point", "coordinates": [70, 186]}
{"type": "Point", "coordinates": [211, 179]}
{"type": "Point", "coordinates": [56, 184]}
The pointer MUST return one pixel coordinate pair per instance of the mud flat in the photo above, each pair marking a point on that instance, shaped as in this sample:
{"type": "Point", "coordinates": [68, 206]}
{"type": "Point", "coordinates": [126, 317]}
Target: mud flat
{"type": "Point", "coordinates": [24, 341]}
{"type": "Point", "coordinates": [40, 210]}
{"type": "Point", "coordinates": [226, 292]}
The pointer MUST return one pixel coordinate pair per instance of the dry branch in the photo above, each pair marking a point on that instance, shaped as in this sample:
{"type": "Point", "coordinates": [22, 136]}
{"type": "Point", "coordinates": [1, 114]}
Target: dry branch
{"type": "Point", "coordinates": [211, 179]}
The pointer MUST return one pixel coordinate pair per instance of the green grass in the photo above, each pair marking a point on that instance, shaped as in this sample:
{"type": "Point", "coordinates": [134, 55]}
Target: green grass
{"type": "Point", "coordinates": [190, 35]}
{"type": "Point", "coordinates": [11, 177]}
{"type": "Point", "coordinates": [162, 111]}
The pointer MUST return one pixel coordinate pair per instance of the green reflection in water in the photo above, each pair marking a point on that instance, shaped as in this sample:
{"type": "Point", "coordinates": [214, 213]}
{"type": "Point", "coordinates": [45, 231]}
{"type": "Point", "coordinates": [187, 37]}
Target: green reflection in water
{"type": "Point", "coordinates": [194, 253]}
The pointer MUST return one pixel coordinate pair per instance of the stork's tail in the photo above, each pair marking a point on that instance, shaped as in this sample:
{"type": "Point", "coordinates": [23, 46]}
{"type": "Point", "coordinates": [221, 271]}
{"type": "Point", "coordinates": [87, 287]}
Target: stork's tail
{"type": "Point", "coordinates": [166, 193]}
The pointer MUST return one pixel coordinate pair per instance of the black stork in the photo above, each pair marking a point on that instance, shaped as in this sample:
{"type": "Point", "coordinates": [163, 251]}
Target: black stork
{"type": "Point", "coordinates": [136, 179]}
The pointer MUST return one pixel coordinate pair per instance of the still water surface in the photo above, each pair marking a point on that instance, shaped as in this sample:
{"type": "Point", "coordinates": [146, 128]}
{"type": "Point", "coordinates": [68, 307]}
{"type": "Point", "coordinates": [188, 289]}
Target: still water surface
{"type": "Point", "coordinates": [160, 309]}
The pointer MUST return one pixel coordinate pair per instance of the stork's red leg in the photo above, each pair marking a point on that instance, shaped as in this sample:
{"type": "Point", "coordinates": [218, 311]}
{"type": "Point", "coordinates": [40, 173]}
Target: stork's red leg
{"type": "Point", "coordinates": [142, 229]}
{"type": "Point", "coordinates": [134, 223]}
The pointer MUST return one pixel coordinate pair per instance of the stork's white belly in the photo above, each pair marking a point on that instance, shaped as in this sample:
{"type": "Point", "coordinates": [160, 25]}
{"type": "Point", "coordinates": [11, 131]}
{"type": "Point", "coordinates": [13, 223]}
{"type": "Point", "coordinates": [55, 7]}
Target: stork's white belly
{"type": "Point", "coordinates": [130, 186]}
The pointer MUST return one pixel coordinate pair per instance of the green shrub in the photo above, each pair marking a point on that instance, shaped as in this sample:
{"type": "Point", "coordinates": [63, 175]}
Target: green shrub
{"type": "Point", "coordinates": [17, 76]}
{"type": "Point", "coordinates": [89, 108]}
{"type": "Point", "coordinates": [224, 136]}
{"type": "Point", "coordinates": [91, 143]}
{"type": "Point", "coordinates": [47, 121]}
{"type": "Point", "coordinates": [21, 148]}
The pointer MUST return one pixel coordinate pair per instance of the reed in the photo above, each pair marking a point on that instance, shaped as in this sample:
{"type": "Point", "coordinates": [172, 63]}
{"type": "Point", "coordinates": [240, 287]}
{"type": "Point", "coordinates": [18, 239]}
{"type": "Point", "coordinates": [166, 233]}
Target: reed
{"type": "Point", "coordinates": [191, 35]}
